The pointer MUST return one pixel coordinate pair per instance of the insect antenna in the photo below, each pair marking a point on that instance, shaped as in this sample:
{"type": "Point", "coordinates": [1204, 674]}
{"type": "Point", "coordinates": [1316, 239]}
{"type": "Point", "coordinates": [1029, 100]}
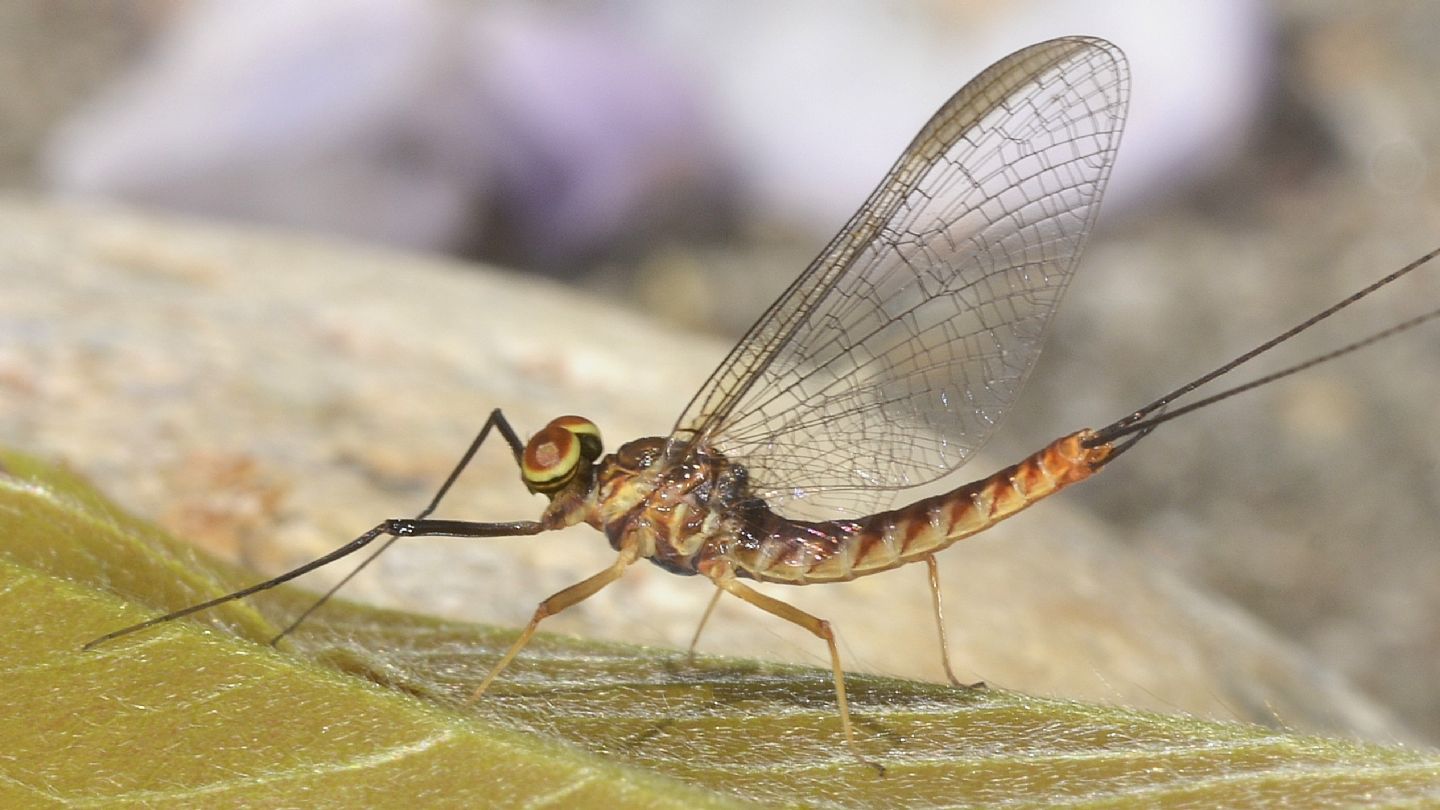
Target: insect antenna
{"type": "Point", "coordinates": [1139, 423]}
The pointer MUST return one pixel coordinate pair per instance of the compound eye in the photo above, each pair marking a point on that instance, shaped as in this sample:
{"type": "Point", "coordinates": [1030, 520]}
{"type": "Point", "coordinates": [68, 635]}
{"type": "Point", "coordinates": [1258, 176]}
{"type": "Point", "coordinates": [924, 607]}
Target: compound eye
{"type": "Point", "coordinates": [586, 431]}
{"type": "Point", "coordinates": [553, 455]}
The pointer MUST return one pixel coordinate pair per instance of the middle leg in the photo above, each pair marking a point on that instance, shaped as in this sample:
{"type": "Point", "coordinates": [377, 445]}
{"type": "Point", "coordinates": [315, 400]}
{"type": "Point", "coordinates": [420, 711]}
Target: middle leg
{"type": "Point", "coordinates": [724, 579]}
{"type": "Point", "coordinates": [704, 619]}
{"type": "Point", "coordinates": [557, 602]}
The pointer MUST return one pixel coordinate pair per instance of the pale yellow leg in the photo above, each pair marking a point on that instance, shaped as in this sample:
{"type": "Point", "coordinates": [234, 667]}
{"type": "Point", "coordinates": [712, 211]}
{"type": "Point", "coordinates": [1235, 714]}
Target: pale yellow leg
{"type": "Point", "coordinates": [710, 608]}
{"type": "Point", "coordinates": [726, 581]}
{"type": "Point", "coordinates": [572, 595]}
{"type": "Point", "coordinates": [940, 623]}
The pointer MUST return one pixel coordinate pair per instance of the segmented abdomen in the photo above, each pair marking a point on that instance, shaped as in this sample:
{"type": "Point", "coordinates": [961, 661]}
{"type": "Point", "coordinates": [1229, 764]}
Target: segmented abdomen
{"type": "Point", "coordinates": [798, 553]}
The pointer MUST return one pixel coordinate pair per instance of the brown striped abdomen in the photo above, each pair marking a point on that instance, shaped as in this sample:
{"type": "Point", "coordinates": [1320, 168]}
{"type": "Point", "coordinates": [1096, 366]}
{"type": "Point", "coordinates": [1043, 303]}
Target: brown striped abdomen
{"type": "Point", "coordinates": [798, 553]}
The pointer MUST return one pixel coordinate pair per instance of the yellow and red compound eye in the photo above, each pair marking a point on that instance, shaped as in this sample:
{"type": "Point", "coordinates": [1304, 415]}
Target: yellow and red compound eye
{"type": "Point", "coordinates": [554, 455]}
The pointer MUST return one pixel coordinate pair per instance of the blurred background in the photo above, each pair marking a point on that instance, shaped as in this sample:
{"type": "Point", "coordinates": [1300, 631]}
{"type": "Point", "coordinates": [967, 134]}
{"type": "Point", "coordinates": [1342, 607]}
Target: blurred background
{"type": "Point", "coordinates": [619, 144]}
{"type": "Point", "coordinates": [688, 160]}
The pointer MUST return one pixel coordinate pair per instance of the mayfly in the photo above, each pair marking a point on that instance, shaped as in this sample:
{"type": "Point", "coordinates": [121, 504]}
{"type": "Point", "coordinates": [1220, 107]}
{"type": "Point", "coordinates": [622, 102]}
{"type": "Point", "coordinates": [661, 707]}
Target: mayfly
{"type": "Point", "coordinates": [883, 367]}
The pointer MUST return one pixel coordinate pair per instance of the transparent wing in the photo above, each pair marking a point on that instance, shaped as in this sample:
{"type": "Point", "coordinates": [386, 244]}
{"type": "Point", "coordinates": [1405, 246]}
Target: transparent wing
{"type": "Point", "coordinates": [895, 354]}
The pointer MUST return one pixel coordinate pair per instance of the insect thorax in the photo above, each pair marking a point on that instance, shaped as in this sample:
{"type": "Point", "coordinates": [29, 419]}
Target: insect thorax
{"type": "Point", "coordinates": [672, 510]}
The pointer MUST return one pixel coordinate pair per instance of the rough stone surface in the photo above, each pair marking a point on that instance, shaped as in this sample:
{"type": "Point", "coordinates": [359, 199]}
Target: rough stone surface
{"type": "Point", "coordinates": [272, 396]}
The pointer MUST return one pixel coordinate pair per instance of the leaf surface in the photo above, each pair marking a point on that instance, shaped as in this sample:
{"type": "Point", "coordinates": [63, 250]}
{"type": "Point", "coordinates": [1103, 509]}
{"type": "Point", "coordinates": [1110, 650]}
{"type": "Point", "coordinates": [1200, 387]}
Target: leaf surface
{"type": "Point", "coordinates": [367, 708]}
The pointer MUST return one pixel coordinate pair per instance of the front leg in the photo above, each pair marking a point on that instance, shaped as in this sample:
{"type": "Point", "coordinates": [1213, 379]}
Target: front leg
{"type": "Point", "coordinates": [497, 421]}
{"type": "Point", "coordinates": [392, 529]}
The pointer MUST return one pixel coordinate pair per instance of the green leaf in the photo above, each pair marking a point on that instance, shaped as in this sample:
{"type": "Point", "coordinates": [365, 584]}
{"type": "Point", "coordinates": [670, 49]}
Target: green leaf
{"type": "Point", "coordinates": [366, 708]}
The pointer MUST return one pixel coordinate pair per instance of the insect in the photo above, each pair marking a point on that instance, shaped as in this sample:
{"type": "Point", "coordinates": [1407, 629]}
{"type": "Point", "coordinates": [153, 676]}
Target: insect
{"type": "Point", "coordinates": [883, 367]}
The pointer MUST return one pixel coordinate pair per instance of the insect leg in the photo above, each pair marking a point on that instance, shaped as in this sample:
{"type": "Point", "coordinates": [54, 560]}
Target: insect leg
{"type": "Point", "coordinates": [710, 608]}
{"type": "Point", "coordinates": [725, 580]}
{"type": "Point", "coordinates": [391, 528]}
{"type": "Point", "coordinates": [579, 592]}
{"type": "Point", "coordinates": [496, 420]}
{"type": "Point", "coordinates": [940, 624]}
